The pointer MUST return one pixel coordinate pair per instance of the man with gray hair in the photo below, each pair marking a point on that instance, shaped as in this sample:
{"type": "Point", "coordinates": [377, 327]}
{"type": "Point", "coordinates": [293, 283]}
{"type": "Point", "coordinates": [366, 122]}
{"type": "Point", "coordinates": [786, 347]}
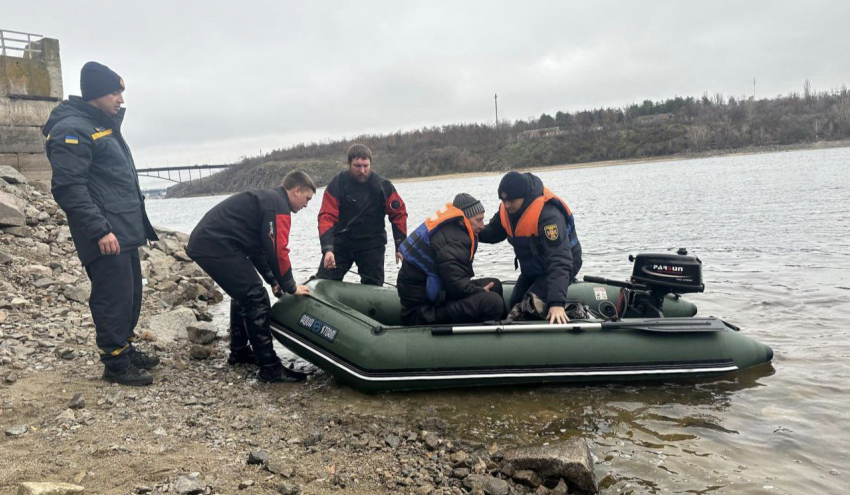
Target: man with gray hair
{"type": "Point", "coordinates": [435, 281]}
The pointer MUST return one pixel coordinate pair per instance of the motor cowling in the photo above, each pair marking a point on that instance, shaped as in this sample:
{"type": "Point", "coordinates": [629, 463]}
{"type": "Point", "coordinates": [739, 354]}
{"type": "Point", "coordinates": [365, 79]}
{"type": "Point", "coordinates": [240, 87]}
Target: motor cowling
{"type": "Point", "coordinates": [665, 273]}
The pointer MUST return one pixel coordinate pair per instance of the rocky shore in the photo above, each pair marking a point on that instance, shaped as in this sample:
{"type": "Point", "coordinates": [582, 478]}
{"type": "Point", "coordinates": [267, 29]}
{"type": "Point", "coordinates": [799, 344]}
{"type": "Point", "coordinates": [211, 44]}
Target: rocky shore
{"type": "Point", "coordinates": [204, 426]}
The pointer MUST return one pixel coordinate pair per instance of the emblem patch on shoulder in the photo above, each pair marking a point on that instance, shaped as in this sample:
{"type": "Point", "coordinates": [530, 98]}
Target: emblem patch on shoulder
{"type": "Point", "coordinates": [551, 232]}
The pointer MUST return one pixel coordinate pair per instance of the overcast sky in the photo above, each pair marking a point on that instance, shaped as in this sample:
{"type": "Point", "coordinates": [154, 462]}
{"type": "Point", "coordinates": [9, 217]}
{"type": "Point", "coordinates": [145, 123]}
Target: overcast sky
{"type": "Point", "coordinates": [214, 80]}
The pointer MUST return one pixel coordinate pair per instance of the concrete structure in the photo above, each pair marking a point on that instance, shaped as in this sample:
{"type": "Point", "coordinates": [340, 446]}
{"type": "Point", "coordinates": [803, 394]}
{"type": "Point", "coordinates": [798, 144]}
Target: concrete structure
{"type": "Point", "coordinates": [30, 87]}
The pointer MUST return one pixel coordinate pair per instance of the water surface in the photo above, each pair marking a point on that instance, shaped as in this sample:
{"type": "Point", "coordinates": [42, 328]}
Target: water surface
{"type": "Point", "coordinates": [772, 232]}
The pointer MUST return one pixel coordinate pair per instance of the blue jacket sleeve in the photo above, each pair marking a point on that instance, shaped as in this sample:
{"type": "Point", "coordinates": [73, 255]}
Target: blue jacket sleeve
{"type": "Point", "coordinates": [557, 254]}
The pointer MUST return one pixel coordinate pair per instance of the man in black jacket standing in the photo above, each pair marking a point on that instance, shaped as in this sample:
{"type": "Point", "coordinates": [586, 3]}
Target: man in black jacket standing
{"type": "Point", "coordinates": [95, 183]}
{"type": "Point", "coordinates": [435, 281]}
{"type": "Point", "coordinates": [351, 221]}
{"type": "Point", "coordinates": [541, 229]}
{"type": "Point", "coordinates": [246, 233]}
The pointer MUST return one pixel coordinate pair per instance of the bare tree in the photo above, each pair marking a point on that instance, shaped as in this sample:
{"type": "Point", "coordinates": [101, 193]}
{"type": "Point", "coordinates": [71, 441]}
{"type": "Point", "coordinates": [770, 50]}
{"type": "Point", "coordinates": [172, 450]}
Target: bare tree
{"type": "Point", "coordinates": [807, 90]}
{"type": "Point", "coordinates": [843, 111]}
{"type": "Point", "coordinates": [698, 134]}
{"type": "Point", "coordinates": [750, 108]}
{"type": "Point", "coordinates": [719, 100]}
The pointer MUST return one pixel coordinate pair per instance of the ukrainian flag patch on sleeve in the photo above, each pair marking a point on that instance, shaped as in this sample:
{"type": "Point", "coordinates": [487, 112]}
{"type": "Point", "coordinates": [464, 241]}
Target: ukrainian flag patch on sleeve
{"type": "Point", "coordinates": [71, 139]}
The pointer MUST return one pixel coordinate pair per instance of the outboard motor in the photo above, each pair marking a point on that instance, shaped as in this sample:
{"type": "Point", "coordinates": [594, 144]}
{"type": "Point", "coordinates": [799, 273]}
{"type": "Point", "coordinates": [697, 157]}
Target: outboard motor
{"type": "Point", "coordinates": [666, 273]}
{"type": "Point", "coordinates": [654, 276]}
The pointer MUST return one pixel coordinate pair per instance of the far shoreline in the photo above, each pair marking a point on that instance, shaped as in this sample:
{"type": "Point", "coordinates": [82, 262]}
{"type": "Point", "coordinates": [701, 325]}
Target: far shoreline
{"type": "Point", "coordinates": [751, 150]}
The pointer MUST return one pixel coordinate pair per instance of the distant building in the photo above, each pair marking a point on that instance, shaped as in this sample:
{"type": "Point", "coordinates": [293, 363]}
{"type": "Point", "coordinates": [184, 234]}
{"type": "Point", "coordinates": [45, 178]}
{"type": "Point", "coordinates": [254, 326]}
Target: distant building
{"type": "Point", "coordinates": [30, 87]}
{"type": "Point", "coordinates": [539, 133]}
{"type": "Point", "coordinates": [154, 193]}
{"type": "Point", "coordinates": [654, 119]}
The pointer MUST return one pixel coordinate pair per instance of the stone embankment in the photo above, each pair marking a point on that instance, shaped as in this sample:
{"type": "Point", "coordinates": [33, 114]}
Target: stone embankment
{"type": "Point", "coordinates": [203, 427]}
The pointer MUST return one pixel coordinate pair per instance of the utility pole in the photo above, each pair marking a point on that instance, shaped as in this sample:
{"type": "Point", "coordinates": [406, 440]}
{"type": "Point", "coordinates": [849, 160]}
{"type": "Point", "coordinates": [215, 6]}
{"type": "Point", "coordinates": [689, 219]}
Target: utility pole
{"type": "Point", "coordinates": [754, 89]}
{"type": "Point", "coordinates": [496, 100]}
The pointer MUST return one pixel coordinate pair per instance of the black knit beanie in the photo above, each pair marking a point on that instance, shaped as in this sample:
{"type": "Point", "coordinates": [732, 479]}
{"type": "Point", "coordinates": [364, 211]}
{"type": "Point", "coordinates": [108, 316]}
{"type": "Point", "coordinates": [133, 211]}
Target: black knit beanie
{"type": "Point", "coordinates": [97, 80]}
{"type": "Point", "coordinates": [469, 205]}
{"type": "Point", "coordinates": [514, 185]}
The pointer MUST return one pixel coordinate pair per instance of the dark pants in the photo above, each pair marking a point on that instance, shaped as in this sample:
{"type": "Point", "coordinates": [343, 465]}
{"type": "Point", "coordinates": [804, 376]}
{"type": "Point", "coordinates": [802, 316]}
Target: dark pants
{"type": "Point", "coordinates": [476, 308]}
{"type": "Point", "coordinates": [237, 277]}
{"type": "Point", "coordinates": [115, 302]}
{"type": "Point", "coordinates": [539, 286]}
{"type": "Point", "coordinates": [370, 265]}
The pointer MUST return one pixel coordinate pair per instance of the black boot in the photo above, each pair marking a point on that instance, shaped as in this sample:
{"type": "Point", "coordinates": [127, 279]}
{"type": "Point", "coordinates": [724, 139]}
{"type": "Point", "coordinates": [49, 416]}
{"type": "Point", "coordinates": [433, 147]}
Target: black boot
{"type": "Point", "coordinates": [255, 309]}
{"type": "Point", "coordinates": [128, 374]}
{"type": "Point", "coordinates": [240, 349]}
{"type": "Point", "coordinates": [141, 360]}
{"type": "Point", "coordinates": [244, 355]}
{"type": "Point", "coordinates": [279, 374]}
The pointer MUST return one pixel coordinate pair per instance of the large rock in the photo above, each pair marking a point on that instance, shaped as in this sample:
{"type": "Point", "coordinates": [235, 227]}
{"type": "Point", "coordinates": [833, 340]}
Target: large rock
{"type": "Point", "coordinates": [11, 211]}
{"type": "Point", "coordinates": [171, 326]}
{"type": "Point", "coordinates": [11, 175]}
{"type": "Point", "coordinates": [39, 271]}
{"type": "Point", "coordinates": [49, 488]}
{"type": "Point", "coordinates": [167, 246]}
{"type": "Point", "coordinates": [488, 484]}
{"type": "Point", "coordinates": [202, 332]}
{"type": "Point", "coordinates": [79, 293]}
{"type": "Point", "coordinates": [570, 460]}
{"type": "Point", "coordinates": [187, 485]}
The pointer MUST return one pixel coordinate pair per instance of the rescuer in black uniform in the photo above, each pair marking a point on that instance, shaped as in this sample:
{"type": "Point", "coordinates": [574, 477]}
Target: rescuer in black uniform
{"type": "Point", "coordinates": [351, 221]}
{"type": "Point", "coordinates": [95, 183]}
{"type": "Point", "coordinates": [246, 233]}
{"type": "Point", "coordinates": [541, 229]}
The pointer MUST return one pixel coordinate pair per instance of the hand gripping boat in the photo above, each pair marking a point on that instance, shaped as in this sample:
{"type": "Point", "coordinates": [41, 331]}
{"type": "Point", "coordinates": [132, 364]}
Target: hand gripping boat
{"type": "Point", "coordinates": [641, 330]}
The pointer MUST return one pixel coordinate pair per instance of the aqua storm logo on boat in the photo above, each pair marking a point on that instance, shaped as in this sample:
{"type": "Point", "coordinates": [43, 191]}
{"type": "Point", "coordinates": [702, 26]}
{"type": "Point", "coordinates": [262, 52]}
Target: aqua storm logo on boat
{"type": "Point", "coordinates": [318, 327]}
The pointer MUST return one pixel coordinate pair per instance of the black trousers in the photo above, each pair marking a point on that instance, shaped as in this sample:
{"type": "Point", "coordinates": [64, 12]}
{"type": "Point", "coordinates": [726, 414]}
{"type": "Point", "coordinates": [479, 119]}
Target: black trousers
{"type": "Point", "coordinates": [115, 303]}
{"type": "Point", "coordinates": [476, 308]}
{"type": "Point", "coordinates": [539, 286]}
{"type": "Point", "coordinates": [370, 265]}
{"type": "Point", "coordinates": [237, 277]}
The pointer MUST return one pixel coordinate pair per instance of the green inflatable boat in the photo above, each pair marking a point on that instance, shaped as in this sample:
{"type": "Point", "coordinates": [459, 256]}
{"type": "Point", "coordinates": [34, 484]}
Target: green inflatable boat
{"type": "Point", "coordinates": [639, 330]}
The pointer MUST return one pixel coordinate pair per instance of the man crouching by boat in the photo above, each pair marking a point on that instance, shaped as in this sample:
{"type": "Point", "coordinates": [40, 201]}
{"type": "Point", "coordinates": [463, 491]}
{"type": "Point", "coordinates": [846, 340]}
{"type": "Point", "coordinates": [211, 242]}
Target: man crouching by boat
{"type": "Point", "coordinates": [246, 233]}
{"type": "Point", "coordinates": [434, 283]}
{"type": "Point", "coordinates": [541, 229]}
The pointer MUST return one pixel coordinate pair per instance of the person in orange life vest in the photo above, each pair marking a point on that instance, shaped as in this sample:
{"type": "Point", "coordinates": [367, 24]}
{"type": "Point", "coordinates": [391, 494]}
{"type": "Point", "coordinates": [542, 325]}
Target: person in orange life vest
{"type": "Point", "coordinates": [435, 281]}
{"type": "Point", "coordinates": [351, 221]}
{"type": "Point", "coordinates": [245, 234]}
{"type": "Point", "coordinates": [541, 229]}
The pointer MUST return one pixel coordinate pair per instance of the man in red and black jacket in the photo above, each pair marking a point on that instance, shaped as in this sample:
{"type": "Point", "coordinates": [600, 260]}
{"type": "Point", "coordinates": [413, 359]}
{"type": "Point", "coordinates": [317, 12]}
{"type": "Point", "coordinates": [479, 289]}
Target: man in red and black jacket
{"type": "Point", "coordinates": [246, 233]}
{"type": "Point", "coordinates": [351, 221]}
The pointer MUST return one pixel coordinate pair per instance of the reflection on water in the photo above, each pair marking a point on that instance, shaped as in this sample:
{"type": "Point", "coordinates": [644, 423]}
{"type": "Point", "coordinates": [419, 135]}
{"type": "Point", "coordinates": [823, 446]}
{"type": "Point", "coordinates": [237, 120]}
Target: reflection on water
{"type": "Point", "coordinates": [771, 231]}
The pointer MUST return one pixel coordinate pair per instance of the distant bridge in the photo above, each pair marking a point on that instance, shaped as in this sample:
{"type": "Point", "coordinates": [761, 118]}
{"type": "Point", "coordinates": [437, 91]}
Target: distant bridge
{"type": "Point", "coordinates": [180, 174]}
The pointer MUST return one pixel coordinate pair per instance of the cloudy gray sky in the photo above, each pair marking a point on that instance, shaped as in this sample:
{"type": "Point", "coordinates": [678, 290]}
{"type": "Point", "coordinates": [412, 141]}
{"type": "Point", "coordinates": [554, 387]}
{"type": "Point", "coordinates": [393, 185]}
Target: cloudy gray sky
{"type": "Point", "coordinates": [214, 80]}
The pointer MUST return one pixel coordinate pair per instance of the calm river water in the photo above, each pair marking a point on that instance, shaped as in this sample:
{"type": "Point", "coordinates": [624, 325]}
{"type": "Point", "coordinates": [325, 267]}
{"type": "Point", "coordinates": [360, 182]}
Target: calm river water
{"type": "Point", "coordinates": [773, 232]}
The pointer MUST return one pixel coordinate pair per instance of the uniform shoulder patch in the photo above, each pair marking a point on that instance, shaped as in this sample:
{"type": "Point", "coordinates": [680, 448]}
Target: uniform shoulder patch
{"type": "Point", "coordinates": [72, 139]}
{"type": "Point", "coordinates": [551, 232]}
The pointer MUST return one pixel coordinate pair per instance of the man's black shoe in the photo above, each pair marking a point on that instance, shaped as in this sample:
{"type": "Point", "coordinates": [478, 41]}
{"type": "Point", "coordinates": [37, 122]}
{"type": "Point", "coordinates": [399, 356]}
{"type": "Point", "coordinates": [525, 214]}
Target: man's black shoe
{"type": "Point", "coordinates": [128, 375]}
{"type": "Point", "coordinates": [243, 356]}
{"type": "Point", "coordinates": [280, 375]}
{"type": "Point", "coordinates": [143, 361]}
